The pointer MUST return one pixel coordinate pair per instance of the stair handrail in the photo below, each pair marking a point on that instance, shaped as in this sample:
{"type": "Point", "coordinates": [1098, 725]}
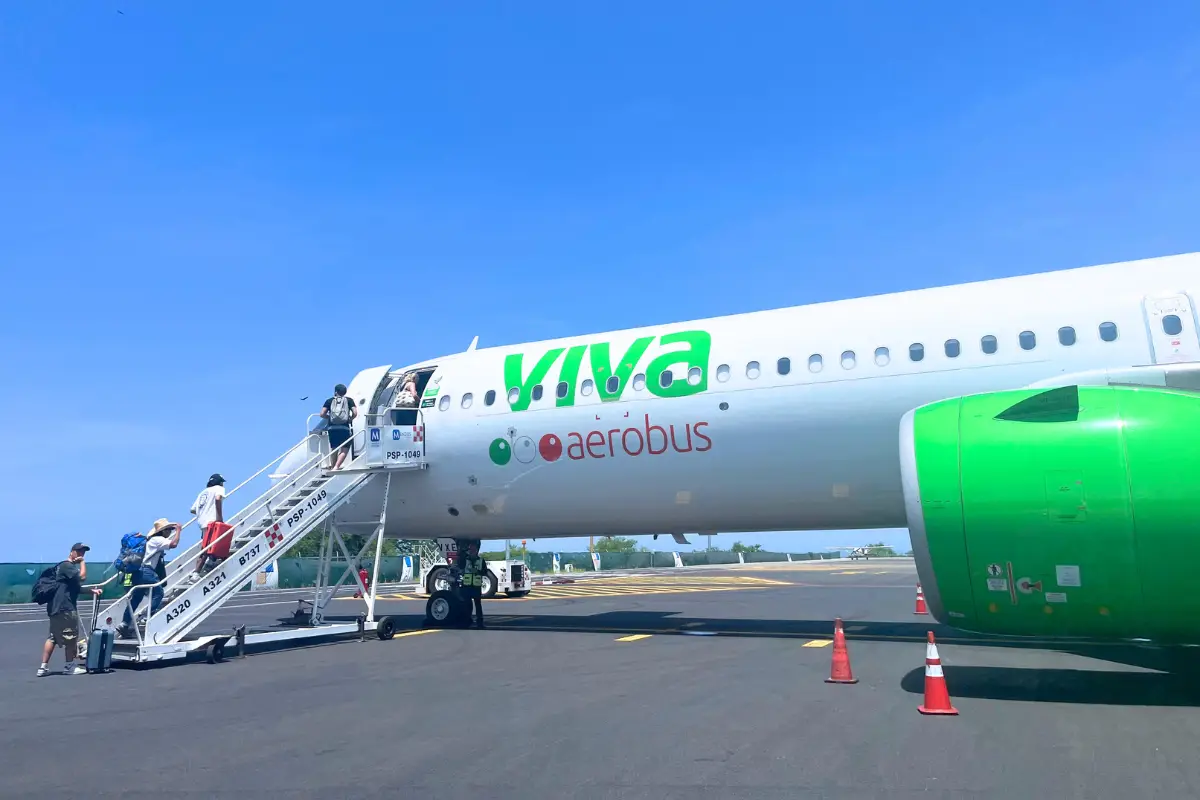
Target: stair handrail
{"type": "Point", "coordinates": [182, 559]}
{"type": "Point", "coordinates": [193, 550]}
{"type": "Point", "coordinates": [230, 493]}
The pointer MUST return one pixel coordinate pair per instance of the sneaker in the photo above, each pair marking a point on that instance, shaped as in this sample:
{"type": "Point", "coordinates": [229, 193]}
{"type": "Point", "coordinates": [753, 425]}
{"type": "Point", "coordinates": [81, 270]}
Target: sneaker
{"type": "Point", "coordinates": [74, 669]}
{"type": "Point", "coordinates": [43, 671]}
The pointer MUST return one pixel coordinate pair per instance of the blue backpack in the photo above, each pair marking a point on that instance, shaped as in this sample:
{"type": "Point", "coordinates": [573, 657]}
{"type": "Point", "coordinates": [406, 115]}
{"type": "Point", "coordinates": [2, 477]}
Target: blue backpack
{"type": "Point", "coordinates": [133, 550]}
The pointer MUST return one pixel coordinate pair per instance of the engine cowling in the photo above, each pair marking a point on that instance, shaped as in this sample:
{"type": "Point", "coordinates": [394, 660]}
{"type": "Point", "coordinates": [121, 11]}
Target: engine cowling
{"type": "Point", "coordinates": [1072, 512]}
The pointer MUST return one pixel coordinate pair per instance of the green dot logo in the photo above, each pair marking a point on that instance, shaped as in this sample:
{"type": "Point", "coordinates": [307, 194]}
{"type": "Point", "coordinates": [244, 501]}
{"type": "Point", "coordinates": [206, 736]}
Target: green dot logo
{"type": "Point", "coordinates": [500, 452]}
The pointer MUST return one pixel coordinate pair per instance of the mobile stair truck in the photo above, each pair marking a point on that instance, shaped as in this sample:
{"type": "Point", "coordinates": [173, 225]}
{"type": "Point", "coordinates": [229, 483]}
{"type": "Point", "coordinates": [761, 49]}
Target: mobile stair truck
{"type": "Point", "coordinates": [388, 463]}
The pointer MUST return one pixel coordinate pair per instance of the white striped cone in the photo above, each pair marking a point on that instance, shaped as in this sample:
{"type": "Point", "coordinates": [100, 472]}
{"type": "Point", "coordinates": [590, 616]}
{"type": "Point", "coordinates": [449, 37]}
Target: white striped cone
{"type": "Point", "coordinates": [937, 695]}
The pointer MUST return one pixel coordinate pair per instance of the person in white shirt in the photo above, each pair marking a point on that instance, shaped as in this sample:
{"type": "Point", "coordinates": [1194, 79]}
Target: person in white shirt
{"type": "Point", "coordinates": [163, 536]}
{"type": "Point", "coordinates": [209, 511]}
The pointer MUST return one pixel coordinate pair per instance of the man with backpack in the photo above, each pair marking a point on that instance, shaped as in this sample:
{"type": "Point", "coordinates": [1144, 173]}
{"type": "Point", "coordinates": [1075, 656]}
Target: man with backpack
{"type": "Point", "coordinates": [58, 589]}
{"type": "Point", "coordinates": [339, 412]}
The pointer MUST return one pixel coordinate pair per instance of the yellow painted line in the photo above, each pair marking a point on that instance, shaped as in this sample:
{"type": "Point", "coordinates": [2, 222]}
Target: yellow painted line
{"type": "Point", "coordinates": [417, 633]}
{"type": "Point", "coordinates": [817, 643]}
{"type": "Point", "coordinates": [635, 637]}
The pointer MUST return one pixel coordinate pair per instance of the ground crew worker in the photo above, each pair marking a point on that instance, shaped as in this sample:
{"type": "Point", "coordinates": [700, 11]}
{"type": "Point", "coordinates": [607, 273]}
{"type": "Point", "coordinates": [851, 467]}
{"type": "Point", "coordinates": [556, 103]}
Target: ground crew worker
{"type": "Point", "coordinates": [473, 569]}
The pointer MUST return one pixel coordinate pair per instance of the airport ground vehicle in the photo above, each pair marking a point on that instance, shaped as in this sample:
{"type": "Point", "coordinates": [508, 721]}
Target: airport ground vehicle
{"type": "Point", "coordinates": [509, 576]}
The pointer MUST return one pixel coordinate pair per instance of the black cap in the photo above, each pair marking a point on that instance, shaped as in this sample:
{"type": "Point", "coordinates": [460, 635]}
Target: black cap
{"type": "Point", "coordinates": [216, 479]}
{"type": "Point", "coordinates": [80, 547]}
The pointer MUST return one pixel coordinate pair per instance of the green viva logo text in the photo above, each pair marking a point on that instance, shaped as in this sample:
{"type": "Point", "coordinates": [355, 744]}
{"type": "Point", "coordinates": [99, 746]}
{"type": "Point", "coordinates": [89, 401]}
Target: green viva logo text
{"type": "Point", "coordinates": [687, 349]}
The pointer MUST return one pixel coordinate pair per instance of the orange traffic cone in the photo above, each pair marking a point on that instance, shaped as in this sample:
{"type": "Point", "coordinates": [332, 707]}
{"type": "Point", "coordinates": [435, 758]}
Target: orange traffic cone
{"type": "Point", "coordinates": [937, 696]}
{"type": "Point", "coordinates": [839, 671]}
{"type": "Point", "coordinates": [921, 609]}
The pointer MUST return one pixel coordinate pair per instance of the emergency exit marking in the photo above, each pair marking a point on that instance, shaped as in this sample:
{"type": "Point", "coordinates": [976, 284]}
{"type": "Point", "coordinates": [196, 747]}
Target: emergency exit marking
{"type": "Point", "coordinates": [635, 637]}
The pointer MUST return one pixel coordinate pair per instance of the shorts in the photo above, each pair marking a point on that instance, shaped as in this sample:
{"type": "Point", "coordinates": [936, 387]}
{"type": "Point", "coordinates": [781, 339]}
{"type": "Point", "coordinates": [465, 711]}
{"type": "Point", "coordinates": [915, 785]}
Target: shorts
{"type": "Point", "coordinates": [338, 437]}
{"type": "Point", "coordinates": [64, 628]}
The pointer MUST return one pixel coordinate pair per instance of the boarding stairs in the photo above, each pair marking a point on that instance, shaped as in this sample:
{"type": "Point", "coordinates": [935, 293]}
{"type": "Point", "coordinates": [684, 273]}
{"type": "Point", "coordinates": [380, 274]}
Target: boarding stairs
{"type": "Point", "coordinates": [300, 502]}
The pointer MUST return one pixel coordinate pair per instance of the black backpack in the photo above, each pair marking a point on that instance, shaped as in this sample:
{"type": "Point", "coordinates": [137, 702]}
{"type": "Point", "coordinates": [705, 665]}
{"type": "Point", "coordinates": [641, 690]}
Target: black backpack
{"type": "Point", "coordinates": [45, 586]}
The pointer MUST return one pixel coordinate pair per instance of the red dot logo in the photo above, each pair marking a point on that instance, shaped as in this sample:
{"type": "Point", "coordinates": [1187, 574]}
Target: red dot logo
{"type": "Point", "coordinates": [550, 446]}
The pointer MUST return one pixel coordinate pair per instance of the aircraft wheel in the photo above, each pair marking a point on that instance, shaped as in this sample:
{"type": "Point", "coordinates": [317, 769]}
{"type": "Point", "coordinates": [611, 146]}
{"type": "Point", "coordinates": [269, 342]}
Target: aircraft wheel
{"type": "Point", "coordinates": [441, 609]}
{"type": "Point", "coordinates": [386, 628]}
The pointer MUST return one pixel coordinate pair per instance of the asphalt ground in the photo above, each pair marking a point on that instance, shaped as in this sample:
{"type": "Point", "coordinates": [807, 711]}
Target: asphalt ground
{"type": "Point", "coordinates": [610, 693]}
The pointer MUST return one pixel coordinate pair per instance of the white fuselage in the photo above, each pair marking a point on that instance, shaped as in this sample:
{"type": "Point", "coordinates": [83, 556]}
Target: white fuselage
{"type": "Point", "coordinates": [813, 449]}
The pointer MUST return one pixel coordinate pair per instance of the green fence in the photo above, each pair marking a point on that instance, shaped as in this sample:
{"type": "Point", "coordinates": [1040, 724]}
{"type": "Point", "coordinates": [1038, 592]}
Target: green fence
{"type": "Point", "coordinates": [16, 580]}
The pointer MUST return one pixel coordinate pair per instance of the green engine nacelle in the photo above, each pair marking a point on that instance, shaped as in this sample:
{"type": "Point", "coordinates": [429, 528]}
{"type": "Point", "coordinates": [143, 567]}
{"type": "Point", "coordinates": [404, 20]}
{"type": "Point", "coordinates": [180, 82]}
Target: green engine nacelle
{"type": "Point", "coordinates": [1065, 512]}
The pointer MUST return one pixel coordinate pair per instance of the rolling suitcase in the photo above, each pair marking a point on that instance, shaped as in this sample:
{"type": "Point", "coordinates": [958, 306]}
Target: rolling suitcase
{"type": "Point", "coordinates": [100, 650]}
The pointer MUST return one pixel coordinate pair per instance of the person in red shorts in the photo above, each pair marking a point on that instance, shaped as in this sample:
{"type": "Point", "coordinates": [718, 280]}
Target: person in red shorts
{"type": "Point", "coordinates": [210, 516]}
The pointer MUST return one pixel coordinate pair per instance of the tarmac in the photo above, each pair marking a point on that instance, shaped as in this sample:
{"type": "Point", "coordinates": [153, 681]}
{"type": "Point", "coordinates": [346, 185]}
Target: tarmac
{"type": "Point", "coordinates": [689, 684]}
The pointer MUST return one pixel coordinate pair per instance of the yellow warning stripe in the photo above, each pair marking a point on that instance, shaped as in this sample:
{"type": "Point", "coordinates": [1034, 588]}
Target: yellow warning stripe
{"type": "Point", "coordinates": [635, 637]}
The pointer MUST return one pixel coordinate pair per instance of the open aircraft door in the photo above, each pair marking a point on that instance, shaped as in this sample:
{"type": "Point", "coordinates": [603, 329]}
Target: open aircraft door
{"type": "Point", "coordinates": [364, 391]}
{"type": "Point", "coordinates": [1172, 323]}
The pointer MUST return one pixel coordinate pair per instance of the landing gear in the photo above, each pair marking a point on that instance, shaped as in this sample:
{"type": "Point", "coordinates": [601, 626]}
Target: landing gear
{"type": "Point", "coordinates": [446, 610]}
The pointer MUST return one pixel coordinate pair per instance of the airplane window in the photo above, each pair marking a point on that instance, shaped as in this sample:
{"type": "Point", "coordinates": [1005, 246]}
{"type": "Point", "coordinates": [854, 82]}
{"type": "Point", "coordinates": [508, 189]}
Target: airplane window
{"type": "Point", "coordinates": [467, 399]}
{"type": "Point", "coordinates": [752, 370]}
{"type": "Point", "coordinates": [815, 362]}
{"type": "Point", "coordinates": [666, 378]}
{"type": "Point", "coordinates": [514, 394]}
{"type": "Point", "coordinates": [952, 348]}
{"type": "Point", "coordinates": [537, 393]}
{"type": "Point", "coordinates": [988, 344]}
{"type": "Point", "coordinates": [639, 382]}
{"type": "Point", "coordinates": [784, 365]}
{"type": "Point", "coordinates": [1028, 340]}
{"type": "Point", "coordinates": [695, 374]}
{"type": "Point", "coordinates": [882, 356]}
{"type": "Point", "coordinates": [612, 384]}
{"type": "Point", "coordinates": [1172, 325]}
{"type": "Point", "coordinates": [586, 388]}
{"type": "Point", "coordinates": [848, 361]}
{"type": "Point", "coordinates": [916, 352]}
{"type": "Point", "coordinates": [1066, 336]}
{"type": "Point", "coordinates": [723, 373]}
{"type": "Point", "coordinates": [561, 391]}
{"type": "Point", "coordinates": [490, 397]}
{"type": "Point", "coordinates": [1108, 331]}
{"type": "Point", "coordinates": [444, 403]}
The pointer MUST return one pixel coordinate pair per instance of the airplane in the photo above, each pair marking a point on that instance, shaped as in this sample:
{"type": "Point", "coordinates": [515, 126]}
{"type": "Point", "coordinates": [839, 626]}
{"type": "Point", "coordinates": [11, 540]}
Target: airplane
{"type": "Point", "coordinates": [854, 553]}
{"type": "Point", "coordinates": [1039, 436]}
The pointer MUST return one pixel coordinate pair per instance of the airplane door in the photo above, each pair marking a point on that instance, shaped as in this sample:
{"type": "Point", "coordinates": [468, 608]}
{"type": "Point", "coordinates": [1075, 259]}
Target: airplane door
{"type": "Point", "coordinates": [1172, 323]}
{"type": "Point", "coordinates": [362, 391]}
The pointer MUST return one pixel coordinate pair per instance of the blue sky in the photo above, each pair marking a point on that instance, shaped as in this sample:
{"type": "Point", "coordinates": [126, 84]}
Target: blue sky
{"type": "Point", "coordinates": [211, 210]}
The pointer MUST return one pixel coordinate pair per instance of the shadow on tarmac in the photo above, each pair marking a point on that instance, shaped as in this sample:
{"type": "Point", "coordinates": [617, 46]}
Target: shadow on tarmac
{"type": "Point", "coordinates": [1083, 686]}
{"type": "Point", "coordinates": [1184, 661]}
{"type": "Point", "coordinates": [1172, 684]}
